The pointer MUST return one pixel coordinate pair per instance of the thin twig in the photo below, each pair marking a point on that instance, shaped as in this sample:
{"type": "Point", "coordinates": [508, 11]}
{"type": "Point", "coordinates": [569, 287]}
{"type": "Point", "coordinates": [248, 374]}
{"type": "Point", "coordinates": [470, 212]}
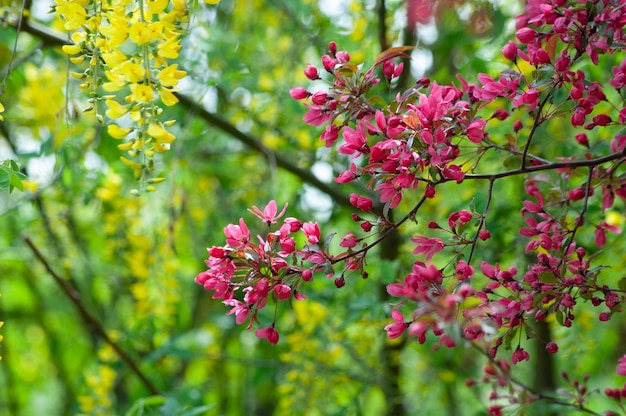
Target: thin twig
{"type": "Point", "coordinates": [89, 320]}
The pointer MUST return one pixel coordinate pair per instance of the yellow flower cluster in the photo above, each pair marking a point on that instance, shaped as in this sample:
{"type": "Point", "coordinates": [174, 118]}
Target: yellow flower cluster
{"type": "Point", "coordinates": [100, 387]}
{"type": "Point", "coordinates": [128, 46]}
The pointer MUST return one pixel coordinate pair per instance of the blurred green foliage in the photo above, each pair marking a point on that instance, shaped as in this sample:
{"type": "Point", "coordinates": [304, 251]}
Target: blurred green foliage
{"type": "Point", "coordinates": [133, 259]}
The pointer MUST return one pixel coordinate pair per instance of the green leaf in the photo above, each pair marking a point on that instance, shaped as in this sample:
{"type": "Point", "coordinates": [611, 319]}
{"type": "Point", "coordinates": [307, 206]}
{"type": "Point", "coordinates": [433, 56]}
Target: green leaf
{"type": "Point", "coordinates": [512, 162]}
{"type": "Point", "coordinates": [328, 240]}
{"type": "Point", "coordinates": [622, 284]}
{"type": "Point", "coordinates": [201, 410]}
{"type": "Point", "coordinates": [560, 318]}
{"type": "Point", "coordinates": [547, 277]}
{"type": "Point", "coordinates": [5, 179]}
{"type": "Point", "coordinates": [137, 409]}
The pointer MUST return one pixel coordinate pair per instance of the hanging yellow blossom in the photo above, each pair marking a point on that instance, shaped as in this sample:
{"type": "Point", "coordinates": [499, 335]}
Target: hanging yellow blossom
{"type": "Point", "coordinates": [128, 47]}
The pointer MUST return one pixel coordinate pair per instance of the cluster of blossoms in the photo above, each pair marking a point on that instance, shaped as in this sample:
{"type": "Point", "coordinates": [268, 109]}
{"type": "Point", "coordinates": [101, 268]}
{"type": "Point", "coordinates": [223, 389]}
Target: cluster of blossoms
{"type": "Point", "coordinates": [127, 49]}
{"type": "Point", "coordinates": [433, 134]}
{"type": "Point", "coordinates": [273, 266]}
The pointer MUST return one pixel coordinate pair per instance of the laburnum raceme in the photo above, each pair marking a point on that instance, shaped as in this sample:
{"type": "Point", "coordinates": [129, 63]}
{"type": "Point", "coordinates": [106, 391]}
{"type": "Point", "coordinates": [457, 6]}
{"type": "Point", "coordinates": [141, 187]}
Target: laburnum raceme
{"type": "Point", "coordinates": [434, 134]}
{"type": "Point", "coordinates": [127, 49]}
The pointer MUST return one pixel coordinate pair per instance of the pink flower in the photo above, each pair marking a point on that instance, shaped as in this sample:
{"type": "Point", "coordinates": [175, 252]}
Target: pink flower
{"type": "Point", "coordinates": [269, 212]}
{"type": "Point", "coordinates": [396, 329]}
{"type": "Point", "coordinates": [349, 241]}
{"type": "Point", "coordinates": [390, 193]}
{"type": "Point", "coordinates": [312, 232]}
{"type": "Point", "coordinates": [294, 224]}
{"type": "Point", "coordinates": [237, 236]}
{"type": "Point", "coordinates": [356, 140]}
{"type": "Point", "coordinates": [519, 355]}
{"type": "Point", "coordinates": [269, 334]}
{"type": "Point", "coordinates": [530, 98]}
{"type": "Point", "coordinates": [476, 131]}
{"type": "Point", "coordinates": [430, 246]}
{"type": "Point", "coordinates": [241, 310]}
{"type": "Point", "coordinates": [361, 202]}
{"type": "Point", "coordinates": [463, 270]}
{"type": "Point", "coordinates": [621, 367]}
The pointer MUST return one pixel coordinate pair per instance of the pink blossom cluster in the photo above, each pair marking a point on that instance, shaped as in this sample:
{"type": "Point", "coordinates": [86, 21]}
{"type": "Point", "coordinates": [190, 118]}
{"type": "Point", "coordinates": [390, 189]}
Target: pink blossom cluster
{"type": "Point", "coordinates": [244, 273]}
{"type": "Point", "coordinates": [433, 134]}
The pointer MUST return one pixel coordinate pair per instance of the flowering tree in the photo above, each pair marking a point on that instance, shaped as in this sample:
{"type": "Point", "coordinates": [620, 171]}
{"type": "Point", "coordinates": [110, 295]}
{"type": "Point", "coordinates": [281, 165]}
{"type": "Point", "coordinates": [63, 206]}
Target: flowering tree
{"type": "Point", "coordinates": [427, 142]}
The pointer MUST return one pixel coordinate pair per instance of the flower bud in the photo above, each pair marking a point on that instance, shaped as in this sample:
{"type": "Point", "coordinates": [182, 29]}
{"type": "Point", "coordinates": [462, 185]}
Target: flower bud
{"type": "Point", "coordinates": [311, 72]}
{"type": "Point", "coordinates": [299, 93]}
{"type": "Point", "coordinates": [332, 47]}
{"type": "Point", "coordinates": [510, 51]}
{"type": "Point", "coordinates": [525, 35]}
{"type": "Point", "coordinates": [328, 63]}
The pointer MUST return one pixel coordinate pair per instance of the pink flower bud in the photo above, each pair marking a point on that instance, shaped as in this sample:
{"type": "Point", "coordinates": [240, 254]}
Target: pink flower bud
{"type": "Point", "coordinates": [307, 275]}
{"type": "Point", "coordinates": [604, 316]}
{"type": "Point", "coordinates": [601, 120]}
{"type": "Point", "coordinates": [328, 63]}
{"type": "Point", "coordinates": [578, 118]}
{"type": "Point", "coordinates": [311, 72]}
{"type": "Point", "coordinates": [340, 282]}
{"type": "Point", "coordinates": [525, 35]}
{"type": "Point", "coordinates": [581, 138]}
{"type": "Point", "coordinates": [319, 98]}
{"type": "Point", "coordinates": [343, 57]}
{"type": "Point", "coordinates": [517, 126]}
{"type": "Point", "coordinates": [552, 348]}
{"type": "Point", "coordinates": [576, 194]}
{"type": "Point", "coordinates": [501, 114]}
{"type": "Point", "coordinates": [299, 93]}
{"type": "Point", "coordinates": [332, 47]}
{"type": "Point", "coordinates": [510, 51]}
{"type": "Point", "coordinates": [484, 235]}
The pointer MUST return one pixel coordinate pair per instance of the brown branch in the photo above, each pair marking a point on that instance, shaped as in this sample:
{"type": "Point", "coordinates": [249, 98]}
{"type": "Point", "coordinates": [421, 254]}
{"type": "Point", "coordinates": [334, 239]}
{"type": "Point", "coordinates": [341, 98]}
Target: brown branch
{"type": "Point", "coordinates": [89, 320]}
{"type": "Point", "coordinates": [548, 166]}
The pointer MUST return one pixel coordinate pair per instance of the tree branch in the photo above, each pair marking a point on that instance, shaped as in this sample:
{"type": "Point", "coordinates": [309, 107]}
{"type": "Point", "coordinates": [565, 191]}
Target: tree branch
{"type": "Point", "coordinates": [89, 320]}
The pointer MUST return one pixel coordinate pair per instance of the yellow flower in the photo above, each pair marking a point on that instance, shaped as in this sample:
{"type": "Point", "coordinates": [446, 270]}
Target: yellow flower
{"type": "Point", "coordinates": [116, 82]}
{"type": "Point", "coordinates": [161, 136]}
{"type": "Point", "coordinates": [170, 75]}
{"type": "Point", "coordinates": [157, 6]}
{"type": "Point", "coordinates": [140, 93]}
{"type": "Point", "coordinates": [139, 33]}
{"type": "Point", "coordinates": [179, 4]}
{"type": "Point", "coordinates": [1, 111]}
{"type": "Point", "coordinates": [211, 1]}
{"type": "Point", "coordinates": [116, 110]}
{"type": "Point", "coordinates": [113, 58]}
{"type": "Point", "coordinates": [167, 96]}
{"type": "Point", "coordinates": [169, 49]}
{"type": "Point", "coordinates": [118, 132]}
{"type": "Point", "coordinates": [132, 71]}
{"type": "Point", "coordinates": [117, 30]}
{"type": "Point", "coordinates": [74, 14]}
{"type": "Point", "coordinates": [72, 49]}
